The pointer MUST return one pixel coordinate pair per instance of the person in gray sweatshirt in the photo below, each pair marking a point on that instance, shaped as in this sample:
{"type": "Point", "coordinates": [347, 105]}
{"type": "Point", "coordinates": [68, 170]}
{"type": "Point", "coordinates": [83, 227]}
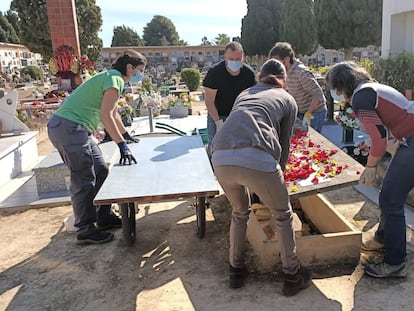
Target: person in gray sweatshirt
{"type": "Point", "coordinates": [249, 154]}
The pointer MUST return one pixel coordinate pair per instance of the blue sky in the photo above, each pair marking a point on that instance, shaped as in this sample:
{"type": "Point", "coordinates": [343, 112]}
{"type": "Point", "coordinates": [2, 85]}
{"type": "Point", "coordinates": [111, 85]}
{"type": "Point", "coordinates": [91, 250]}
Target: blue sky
{"type": "Point", "coordinates": [193, 19]}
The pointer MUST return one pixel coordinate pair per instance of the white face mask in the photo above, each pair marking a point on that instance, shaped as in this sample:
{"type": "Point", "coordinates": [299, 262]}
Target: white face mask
{"type": "Point", "coordinates": [339, 99]}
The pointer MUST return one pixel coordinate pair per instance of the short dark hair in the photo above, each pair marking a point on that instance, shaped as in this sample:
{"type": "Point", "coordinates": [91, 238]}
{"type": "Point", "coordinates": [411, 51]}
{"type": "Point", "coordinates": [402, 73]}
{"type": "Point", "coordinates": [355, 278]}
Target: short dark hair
{"type": "Point", "coordinates": [129, 57]}
{"type": "Point", "coordinates": [234, 46]}
{"type": "Point", "coordinates": [282, 50]}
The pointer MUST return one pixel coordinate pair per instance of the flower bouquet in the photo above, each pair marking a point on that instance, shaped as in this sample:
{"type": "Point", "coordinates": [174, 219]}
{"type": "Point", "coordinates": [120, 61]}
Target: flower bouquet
{"type": "Point", "coordinates": [125, 110]}
{"type": "Point", "coordinates": [152, 100]}
{"type": "Point", "coordinates": [347, 118]}
{"type": "Point", "coordinates": [178, 105]}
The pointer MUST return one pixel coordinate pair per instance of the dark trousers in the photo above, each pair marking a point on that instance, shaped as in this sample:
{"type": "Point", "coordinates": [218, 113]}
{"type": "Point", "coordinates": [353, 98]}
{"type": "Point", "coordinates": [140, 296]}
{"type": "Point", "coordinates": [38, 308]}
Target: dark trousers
{"type": "Point", "coordinates": [87, 166]}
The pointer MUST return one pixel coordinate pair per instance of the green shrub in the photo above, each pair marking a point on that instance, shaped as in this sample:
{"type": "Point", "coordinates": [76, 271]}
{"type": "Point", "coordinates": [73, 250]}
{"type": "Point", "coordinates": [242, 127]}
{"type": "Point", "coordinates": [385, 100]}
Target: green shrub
{"type": "Point", "coordinates": [33, 71]}
{"type": "Point", "coordinates": [191, 77]}
{"type": "Point", "coordinates": [396, 71]}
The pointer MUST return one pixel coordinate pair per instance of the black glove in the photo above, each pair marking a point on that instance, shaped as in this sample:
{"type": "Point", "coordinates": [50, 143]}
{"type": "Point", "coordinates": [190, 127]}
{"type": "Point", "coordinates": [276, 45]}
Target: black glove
{"type": "Point", "coordinates": [126, 154]}
{"type": "Point", "coordinates": [129, 139]}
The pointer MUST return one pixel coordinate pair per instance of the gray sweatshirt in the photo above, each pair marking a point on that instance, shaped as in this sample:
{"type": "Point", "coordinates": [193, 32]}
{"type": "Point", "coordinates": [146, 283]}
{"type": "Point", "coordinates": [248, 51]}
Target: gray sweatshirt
{"type": "Point", "coordinates": [262, 117]}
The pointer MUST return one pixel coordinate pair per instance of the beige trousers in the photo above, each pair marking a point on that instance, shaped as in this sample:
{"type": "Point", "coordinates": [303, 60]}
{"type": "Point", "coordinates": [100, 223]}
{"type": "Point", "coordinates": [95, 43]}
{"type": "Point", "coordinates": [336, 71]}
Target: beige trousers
{"type": "Point", "coordinates": [237, 182]}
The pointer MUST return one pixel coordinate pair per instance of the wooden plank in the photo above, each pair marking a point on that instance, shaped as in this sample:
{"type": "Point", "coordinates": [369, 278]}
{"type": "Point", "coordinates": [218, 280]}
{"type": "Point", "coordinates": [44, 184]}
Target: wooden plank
{"type": "Point", "coordinates": [168, 168]}
{"type": "Point", "coordinates": [348, 177]}
{"type": "Point", "coordinates": [323, 215]}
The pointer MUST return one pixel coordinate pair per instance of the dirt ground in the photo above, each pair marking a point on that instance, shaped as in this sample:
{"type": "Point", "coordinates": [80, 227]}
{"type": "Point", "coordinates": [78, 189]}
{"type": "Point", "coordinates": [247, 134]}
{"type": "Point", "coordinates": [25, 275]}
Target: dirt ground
{"type": "Point", "coordinates": [170, 269]}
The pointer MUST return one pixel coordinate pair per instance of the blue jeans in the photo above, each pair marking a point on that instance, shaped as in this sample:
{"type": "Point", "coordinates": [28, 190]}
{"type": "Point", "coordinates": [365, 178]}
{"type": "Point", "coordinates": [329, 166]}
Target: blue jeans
{"type": "Point", "coordinates": [317, 121]}
{"type": "Point", "coordinates": [396, 184]}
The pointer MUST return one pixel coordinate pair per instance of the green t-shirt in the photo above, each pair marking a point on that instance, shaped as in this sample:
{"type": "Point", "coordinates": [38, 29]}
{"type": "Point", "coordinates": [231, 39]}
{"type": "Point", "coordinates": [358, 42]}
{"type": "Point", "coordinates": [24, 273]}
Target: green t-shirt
{"type": "Point", "coordinates": [83, 106]}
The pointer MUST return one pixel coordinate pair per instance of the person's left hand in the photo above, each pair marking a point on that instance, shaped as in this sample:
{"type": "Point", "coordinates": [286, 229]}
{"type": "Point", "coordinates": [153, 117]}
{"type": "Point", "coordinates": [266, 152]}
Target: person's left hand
{"type": "Point", "coordinates": [368, 176]}
{"type": "Point", "coordinates": [129, 139]}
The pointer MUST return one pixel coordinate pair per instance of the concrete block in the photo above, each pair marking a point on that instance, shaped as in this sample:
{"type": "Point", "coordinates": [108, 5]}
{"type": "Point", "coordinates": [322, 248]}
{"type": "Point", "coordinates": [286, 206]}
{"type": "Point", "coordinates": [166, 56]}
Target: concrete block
{"type": "Point", "coordinates": [53, 175]}
{"type": "Point", "coordinates": [336, 242]}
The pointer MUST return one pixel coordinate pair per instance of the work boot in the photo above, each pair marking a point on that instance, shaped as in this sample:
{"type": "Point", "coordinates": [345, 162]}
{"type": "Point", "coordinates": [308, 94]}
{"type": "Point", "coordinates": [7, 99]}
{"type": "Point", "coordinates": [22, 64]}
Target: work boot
{"type": "Point", "coordinates": [372, 245]}
{"type": "Point", "coordinates": [294, 283]}
{"type": "Point", "coordinates": [94, 236]}
{"type": "Point", "coordinates": [107, 222]}
{"type": "Point", "coordinates": [384, 270]}
{"type": "Point", "coordinates": [237, 277]}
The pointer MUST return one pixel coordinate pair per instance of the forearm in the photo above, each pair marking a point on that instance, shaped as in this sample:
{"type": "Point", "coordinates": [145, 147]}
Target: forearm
{"type": "Point", "coordinates": [313, 105]}
{"type": "Point", "coordinates": [210, 96]}
{"type": "Point", "coordinates": [110, 125]}
{"type": "Point", "coordinates": [373, 161]}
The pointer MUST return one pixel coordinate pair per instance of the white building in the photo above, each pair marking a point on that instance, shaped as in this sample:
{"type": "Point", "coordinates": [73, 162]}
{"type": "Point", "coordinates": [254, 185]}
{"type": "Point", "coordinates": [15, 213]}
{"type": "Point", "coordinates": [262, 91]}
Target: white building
{"type": "Point", "coordinates": [397, 27]}
{"type": "Point", "coordinates": [14, 57]}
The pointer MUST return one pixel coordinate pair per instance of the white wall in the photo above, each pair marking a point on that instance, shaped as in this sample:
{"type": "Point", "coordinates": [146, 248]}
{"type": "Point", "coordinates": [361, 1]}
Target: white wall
{"type": "Point", "coordinates": [397, 27]}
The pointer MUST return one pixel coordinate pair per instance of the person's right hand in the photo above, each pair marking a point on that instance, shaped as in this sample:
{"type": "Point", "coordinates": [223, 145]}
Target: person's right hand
{"type": "Point", "coordinates": [126, 154]}
{"type": "Point", "coordinates": [219, 124]}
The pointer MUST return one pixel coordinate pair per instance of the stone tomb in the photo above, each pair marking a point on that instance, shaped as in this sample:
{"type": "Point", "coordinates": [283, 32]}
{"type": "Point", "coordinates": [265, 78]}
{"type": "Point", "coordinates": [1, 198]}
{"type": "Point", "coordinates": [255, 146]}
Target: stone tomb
{"type": "Point", "coordinates": [323, 236]}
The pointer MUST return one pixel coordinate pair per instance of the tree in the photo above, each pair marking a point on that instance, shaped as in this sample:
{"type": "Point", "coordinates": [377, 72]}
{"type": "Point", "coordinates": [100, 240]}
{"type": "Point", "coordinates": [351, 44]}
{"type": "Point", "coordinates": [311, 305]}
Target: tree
{"type": "Point", "coordinates": [33, 71]}
{"type": "Point", "coordinates": [7, 32]}
{"type": "Point", "coordinates": [191, 77]}
{"type": "Point", "coordinates": [14, 21]}
{"type": "Point", "coordinates": [205, 41]}
{"type": "Point", "coordinates": [298, 26]}
{"type": "Point", "coordinates": [125, 36]}
{"type": "Point", "coordinates": [222, 39]}
{"type": "Point", "coordinates": [89, 20]}
{"type": "Point", "coordinates": [260, 26]}
{"type": "Point", "coordinates": [348, 24]}
{"type": "Point", "coordinates": [160, 31]}
{"type": "Point", "coordinates": [34, 27]}
{"type": "Point", "coordinates": [35, 32]}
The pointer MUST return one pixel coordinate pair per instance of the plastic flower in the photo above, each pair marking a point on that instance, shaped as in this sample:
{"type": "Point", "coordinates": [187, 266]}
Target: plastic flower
{"type": "Point", "coordinates": [346, 117]}
{"type": "Point", "coordinates": [152, 99]}
{"type": "Point", "coordinates": [123, 108]}
{"type": "Point", "coordinates": [362, 148]}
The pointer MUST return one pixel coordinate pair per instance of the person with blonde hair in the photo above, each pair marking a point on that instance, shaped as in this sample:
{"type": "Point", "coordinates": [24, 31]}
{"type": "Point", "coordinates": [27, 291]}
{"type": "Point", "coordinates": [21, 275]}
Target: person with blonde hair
{"type": "Point", "coordinates": [91, 105]}
{"type": "Point", "coordinates": [249, 154]}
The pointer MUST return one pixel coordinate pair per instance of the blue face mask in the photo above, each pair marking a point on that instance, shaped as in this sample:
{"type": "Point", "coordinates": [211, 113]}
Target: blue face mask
{"type": "Point", "coordinates": [234, 65]}
{"type": "Point", "coordinates": [138, 77]}
{"type": "Point", "coordinates": [339, 99]}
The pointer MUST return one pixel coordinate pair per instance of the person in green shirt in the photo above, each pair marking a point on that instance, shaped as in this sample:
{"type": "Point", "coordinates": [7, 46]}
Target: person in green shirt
{"type": "Point", "coordinates": [91, 105]}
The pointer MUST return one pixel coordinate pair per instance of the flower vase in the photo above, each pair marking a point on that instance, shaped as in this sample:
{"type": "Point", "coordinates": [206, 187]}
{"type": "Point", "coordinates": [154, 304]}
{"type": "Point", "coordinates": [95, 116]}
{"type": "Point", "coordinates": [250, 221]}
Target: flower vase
{"type": "Point", "coordinates": [127, 120]}
{"type": "Point", "coordinates": [347, 135]}
{"type": "Point", "coordinates": [156, 113]}
{"type": "Point", "coordinates": [178, 111]}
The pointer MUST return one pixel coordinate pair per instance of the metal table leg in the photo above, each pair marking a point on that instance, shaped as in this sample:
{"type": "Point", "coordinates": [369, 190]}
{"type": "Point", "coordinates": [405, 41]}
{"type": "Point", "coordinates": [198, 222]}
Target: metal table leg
{"type": "Point", "coordinates": [201, 216]}
{"type": "Point", "coordinates": [128, 222]}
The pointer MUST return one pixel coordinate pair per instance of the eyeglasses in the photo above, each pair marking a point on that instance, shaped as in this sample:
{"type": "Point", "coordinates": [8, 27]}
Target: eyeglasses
{"type": "Point", "coordinates": [136, 67]}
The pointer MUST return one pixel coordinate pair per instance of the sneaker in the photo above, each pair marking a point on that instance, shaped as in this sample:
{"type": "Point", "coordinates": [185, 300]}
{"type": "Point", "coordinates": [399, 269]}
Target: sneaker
{"type": "Point", "coordinates": [94, 236]}
{"type": "Point", "coordinates": [294, 283]}
{"type": "Point", "coordinates": [237, 277]}
{"type": "Point", "coordinates": [107, 222]}
{"type": "Point", "coordinates": [384, 270]}
{"type": "Point", "coordinates": [372, 245]}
